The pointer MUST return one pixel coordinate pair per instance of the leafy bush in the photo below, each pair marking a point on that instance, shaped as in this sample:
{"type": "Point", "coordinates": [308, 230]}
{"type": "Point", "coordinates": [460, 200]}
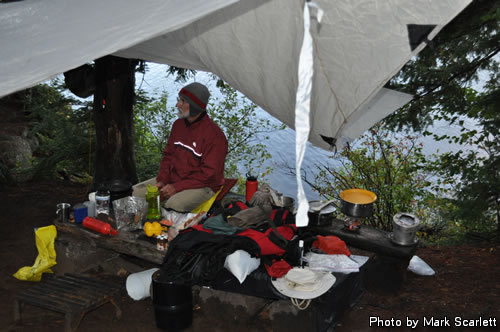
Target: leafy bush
{"type": "Point", "coordinates": [62, 126]}
{"type": "Point", "coordinates": [387, 165]}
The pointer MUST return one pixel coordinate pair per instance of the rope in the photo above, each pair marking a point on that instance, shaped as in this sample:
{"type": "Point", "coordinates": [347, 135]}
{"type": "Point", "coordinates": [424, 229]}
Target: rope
{"type": "Point", "coordinates": [301, 304]}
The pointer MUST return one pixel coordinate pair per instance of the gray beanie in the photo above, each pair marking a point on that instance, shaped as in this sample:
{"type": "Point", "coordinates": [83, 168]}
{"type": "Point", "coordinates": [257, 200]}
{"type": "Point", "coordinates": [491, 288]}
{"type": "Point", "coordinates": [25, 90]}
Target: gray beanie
{"type": "Point", "coordinates": [196, 95]}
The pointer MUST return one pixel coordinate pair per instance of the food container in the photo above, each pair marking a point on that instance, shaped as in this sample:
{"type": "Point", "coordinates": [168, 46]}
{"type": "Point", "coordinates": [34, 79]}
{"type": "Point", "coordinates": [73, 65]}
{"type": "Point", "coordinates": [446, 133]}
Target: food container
{"type": "Point", "coordinates": [161, 242]}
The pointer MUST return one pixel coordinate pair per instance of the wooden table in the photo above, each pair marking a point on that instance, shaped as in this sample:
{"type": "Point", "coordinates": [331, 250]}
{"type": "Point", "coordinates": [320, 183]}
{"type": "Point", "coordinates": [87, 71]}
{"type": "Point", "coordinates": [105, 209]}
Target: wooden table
{"type": "Point", "coordinates": [128, 243]}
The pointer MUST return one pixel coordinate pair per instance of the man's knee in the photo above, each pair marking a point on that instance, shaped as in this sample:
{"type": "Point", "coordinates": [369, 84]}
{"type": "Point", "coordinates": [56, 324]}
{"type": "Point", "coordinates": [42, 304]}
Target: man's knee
{"type": "Point", "coordinates": [186, 201]}
{"type": "Point", "coordinates": [178, 204]}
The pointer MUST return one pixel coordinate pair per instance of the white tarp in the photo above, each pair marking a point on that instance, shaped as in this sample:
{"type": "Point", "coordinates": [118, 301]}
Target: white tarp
{"type": "Point", "coordinates": [253, 45]}
{"type": "Point", "coordinates": [359, 46]}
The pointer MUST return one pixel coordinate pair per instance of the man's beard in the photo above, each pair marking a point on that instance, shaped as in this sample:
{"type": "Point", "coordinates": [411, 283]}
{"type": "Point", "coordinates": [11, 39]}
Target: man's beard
{"type": "Point", "coordinates": [181, 114]}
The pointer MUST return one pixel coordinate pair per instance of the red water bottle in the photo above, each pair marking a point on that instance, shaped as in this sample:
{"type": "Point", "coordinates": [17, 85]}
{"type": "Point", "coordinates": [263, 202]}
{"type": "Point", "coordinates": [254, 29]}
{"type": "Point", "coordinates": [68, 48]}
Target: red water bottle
{"type": "Point", "coordinates": [251, 187]}
{"type": "Point", "coordinates": [99, 226]}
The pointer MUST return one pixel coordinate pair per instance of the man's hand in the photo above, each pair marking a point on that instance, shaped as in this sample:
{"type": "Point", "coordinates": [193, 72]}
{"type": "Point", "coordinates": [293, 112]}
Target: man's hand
{"type": "Point", "coordinates": [168, 190]}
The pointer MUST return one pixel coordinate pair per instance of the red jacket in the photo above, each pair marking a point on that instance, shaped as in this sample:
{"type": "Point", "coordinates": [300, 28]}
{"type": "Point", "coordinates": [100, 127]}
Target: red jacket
{"type": "Point", "coordinates": [194, 156]}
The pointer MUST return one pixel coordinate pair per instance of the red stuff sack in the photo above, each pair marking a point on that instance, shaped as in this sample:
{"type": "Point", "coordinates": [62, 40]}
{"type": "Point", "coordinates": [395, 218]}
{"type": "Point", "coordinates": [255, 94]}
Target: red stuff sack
{"type": "Point", "coordinates": [331, 245]}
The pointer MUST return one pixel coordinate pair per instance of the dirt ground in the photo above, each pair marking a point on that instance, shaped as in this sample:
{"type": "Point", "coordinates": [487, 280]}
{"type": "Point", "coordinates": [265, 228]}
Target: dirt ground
{"type": "Point", "coordinates": [466, 286]}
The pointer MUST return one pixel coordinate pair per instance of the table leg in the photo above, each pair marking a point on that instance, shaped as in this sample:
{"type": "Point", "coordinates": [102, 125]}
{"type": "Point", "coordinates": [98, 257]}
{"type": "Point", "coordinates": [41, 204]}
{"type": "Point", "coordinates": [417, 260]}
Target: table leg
{"type": "Point", "coordinates": [17, 311]}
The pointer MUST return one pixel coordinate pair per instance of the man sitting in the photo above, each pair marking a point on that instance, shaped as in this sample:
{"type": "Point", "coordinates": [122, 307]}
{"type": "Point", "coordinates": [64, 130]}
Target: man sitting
{"type": "Point", "coordinates": [192, 168]}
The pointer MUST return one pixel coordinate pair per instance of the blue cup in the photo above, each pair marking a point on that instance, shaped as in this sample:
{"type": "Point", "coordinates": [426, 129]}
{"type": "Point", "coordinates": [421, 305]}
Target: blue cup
{"type": "Point", "coordinates": [80, 211]}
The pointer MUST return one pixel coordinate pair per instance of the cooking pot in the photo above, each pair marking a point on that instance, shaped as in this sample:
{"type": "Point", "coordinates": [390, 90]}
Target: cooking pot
{"type": "Point", "coordinates": [118, 188]}
{"type": "Point", "coordinates": [357, 203]}
{"type": "Point", "coordinates": [324, 216]}
{"type": "Point", "coordinates": [404, 228]}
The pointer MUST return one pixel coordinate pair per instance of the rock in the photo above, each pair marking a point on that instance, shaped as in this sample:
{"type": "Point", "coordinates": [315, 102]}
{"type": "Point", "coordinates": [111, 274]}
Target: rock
{"type": "Point", "coordinates": [16, 155]}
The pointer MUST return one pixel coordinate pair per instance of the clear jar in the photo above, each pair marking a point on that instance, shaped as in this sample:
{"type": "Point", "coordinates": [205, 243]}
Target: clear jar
{"type": "Point", "coordinates": [102, 201]}
{"type": "Point", "coordinates": [161, 242]}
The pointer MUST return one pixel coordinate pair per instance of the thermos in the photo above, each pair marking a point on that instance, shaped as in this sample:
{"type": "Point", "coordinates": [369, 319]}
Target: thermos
{"type": "Point", "coordinates": [153, 199]}
{"type": "Point", "coordinates": [251, 187]}
{"type": "Point", "coordinates": [99, 226]}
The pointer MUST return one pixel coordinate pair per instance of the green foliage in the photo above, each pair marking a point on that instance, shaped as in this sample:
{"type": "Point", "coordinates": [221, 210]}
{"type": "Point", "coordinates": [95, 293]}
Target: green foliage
{"type": "Point", "coordinates": [152, 122]}
{"type": "Point", "coordinates": [61, 126]}
{"type": "Point", "coordinates": [441, 77]}
{"type": "Point", "coordinates": [387, 165]}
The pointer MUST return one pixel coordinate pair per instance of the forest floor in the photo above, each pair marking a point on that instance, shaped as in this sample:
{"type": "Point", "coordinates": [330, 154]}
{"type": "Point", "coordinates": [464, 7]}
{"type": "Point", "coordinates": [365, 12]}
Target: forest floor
{"type": "Point", "coordinates": [466, 284]}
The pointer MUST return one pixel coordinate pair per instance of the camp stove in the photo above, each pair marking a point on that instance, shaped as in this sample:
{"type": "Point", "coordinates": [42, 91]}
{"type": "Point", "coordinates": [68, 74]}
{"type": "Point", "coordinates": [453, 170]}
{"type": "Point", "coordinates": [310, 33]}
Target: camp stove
{"type": "Point", "coordinates": [356, 204]}
{"type": "Point", "coordinates": [352, 224]}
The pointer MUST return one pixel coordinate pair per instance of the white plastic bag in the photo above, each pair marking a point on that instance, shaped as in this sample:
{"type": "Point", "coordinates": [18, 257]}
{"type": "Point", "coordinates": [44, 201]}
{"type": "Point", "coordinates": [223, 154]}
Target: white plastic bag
{"type": "Point", "coordinates": [331, 263]}
{"type": "Point", "coordinates": [182, 220]}
{"type": "Point", "coordinates": [241, 264]}
{"type": "Point", "coordinates": [418, 266]}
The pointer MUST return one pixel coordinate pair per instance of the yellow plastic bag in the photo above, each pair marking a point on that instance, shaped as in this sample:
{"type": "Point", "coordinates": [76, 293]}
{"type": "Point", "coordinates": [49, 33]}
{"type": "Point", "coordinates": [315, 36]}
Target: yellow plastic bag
{"type": "Point", "coordinates": [45, 237]}
{"type": "Point", "coordinates": [206, 205]}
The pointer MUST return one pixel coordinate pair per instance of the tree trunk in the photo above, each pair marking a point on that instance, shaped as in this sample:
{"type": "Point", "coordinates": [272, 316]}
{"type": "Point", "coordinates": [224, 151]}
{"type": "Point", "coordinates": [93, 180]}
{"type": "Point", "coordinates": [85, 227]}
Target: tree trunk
{"type": "Point", "coordinates": [113, 117]}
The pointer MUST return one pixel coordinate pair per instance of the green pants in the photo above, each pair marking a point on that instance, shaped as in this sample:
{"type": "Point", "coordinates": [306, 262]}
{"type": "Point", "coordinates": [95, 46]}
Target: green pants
{"type": "Point", "coordinates": [187, 200]}
{"type": "Point", "coordinates": [183, 201]}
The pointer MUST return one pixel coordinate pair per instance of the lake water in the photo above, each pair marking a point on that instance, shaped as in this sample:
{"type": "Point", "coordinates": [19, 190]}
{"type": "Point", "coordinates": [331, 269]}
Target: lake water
{"type": "Point", "coordinates": [281, 144]}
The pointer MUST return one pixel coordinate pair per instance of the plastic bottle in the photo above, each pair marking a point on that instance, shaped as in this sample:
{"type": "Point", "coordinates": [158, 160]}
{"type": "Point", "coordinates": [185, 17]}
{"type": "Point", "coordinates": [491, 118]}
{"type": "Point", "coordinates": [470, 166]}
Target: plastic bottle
{"type": "Point", "coordinates": [99, 226]}
{"type": "Point", "coordinates": [251, 187]}
{"type": "Point", "coordinates": [102, 200]}
{"type": "Point", "coordinates": [301, 252]}
{"type": "Point", "coordinates": [153, 199]}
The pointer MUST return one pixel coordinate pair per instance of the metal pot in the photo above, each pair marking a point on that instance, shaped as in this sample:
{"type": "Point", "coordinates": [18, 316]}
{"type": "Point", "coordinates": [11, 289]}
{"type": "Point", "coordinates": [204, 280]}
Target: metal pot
{"type": "Point", "coordinates": [357, 203]}
{"type": "Point", "coordinates": [404, 228]}
{"type": "Point", "coordinates": [325, 216]}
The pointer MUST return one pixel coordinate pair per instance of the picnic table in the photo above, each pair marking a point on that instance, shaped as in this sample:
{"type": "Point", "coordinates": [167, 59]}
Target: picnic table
{"type": "Point", "coordinates": [323, 313]}
{"type": "Point", "coordinates": [125, 242]}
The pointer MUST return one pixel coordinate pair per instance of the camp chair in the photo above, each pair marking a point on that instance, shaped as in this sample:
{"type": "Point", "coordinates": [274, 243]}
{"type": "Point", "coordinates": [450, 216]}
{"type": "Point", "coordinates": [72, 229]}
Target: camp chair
{"type": "Point", "coordinates": [205, 206]}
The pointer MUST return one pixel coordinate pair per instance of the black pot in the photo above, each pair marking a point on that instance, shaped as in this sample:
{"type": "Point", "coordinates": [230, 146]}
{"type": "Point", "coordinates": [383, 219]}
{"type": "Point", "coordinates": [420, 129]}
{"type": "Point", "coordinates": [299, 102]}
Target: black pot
{"type": "Point", "coordinates": [118, 188]}
{"type": "Point", "coordinates": [173, 303]}
{"type": "Point", "coordinates": [317, 219]}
